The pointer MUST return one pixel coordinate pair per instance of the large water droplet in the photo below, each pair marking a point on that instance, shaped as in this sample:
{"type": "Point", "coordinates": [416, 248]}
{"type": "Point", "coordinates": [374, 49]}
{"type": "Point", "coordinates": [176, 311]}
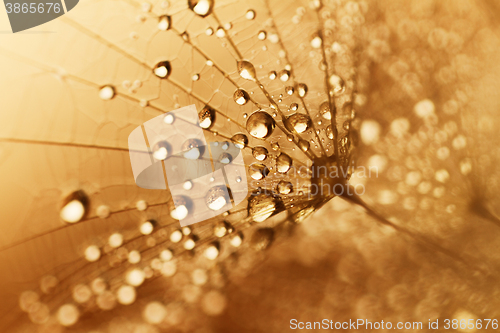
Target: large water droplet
{"type": "Point", "coordinates": [246, 70]}
{"type": "Point", "coordinates": [284, 187]}
{"type": "Point", "coordinates": [302, 89]}
{"type": "Point", "coordinates": [260, 125]}
{"type": "Point", "coordinates": [337, 85]}
{"type": "Point", "coordinates": [283, 163]}
{"type": "Point", "coordinates": [241, 97]}
{"type": "Point", "coordinates": [240, 140]}
{"type": "Point", "coordinates": [207, 117]}
{"type": "Point", "coordinates": [201, 7]}
{"type": "Point", "coordinates": [258, 171]}
{"type": "Point", "coordinates": [74, 207]}
{"type": "Point", "coordinates": [261, 206]}
{"type": "Point", "coordinates": [298, 123]}
{"type": "Point", "coordinates": [260, 153]}
{"type": "Point", "coordinates": [162, 69]}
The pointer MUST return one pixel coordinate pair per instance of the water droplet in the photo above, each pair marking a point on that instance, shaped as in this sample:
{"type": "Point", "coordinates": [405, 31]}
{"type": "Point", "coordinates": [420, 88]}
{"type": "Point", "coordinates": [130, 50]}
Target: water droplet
{"type": "Point", "coordinates": [135, 277]}
{"type": "Point", "coordinates": [225, 158]}
{"type": "Point", "coordinates": [181, 210]}
{"type": "Point", "coordinates": [260, 153]}
{"type": "Point", "coordinates": [238, 179]}
{"type": "Point", "coordinates": [275, 146]}
{"type": "Point", "coordinates": [241, 97]}
{"type": "Point", "coordinates": [240, 140]}
{"type": "Point", "coordinates": [329, 132]}
{"type": "Point", "coordinates": [187, 185]}
{"type": "Point", "coordinates": [164, 22]}
{"type": "Point", "coordinates": [250, 14]}
{"type": "Point", "coordinates": [261, 206]}
{"type": "Point", "coordinates": [166, 255]}
{"type": "Point", "coordinates": [262, 35]}
{"type": "Point", "coordinates": [283, 163]}
{"type": "Point", "coordinates": [134, 257]}
{"type": "Point", "coordinates": [74, 207]}
{"type": "Point", "coordinates": [189, 243]}
{"type": "Point", "coordinates": [201, 7]}
{"type": "Point", "coordinates": [146, 228]}
{"type": "Point", "coordinates": [220, 32]}
{"type": "Point", "coordinates": [284, 187]}
{"type": "Point", "coordinates": [302, 89]}
{"type": "Point", "coordinates": [126, 295]}
{"type": "Point", "coordinates": [294, 106]}
{"type": "Point", "coordinates": [289, 90]}
{"type": "Point", "coordinates": [68, 315]}
{"type": "Point", "coordinates": [337, 85]}
{"type": "Point", "coordinates": [210, 63]}
{"type": "Point", "coordinates": [192, 149]}
{"type": "Point", "coordinates": [284, 75]}
{"type": "Point", "coordinates": [161, 150]}
{"type": "Point", "coordinates": [272, 75]}
{"type": "Point", "coordinates": [347, 125]}
{"type": "Point", "coordinates": [274, 38]}
{"type": "Point", "coordinates": [207, 117]}
{"type": "Point", "coordinates": [236, 240]}
{"type": "Point", "coordinates": [169, 118]}
{"type": "Point", "coordinates": [107, 92]}
{"type": "Point", "coordinates": [324, 110]}
{"type": "Point", "coordinates": [162, 69]}
{"type": "Point", "coordinates": [115, 240]}
{"type": "Point", "coordinates": [246, 70]}
{"type": "Point", "coordinates": [209, 31]}
{"type": "Point", "coordinates": [195, 77]}
{"type": "Point", "coordinates": [304, 145]}
{"type": "Point", "coordinates": [221, 229]}
{"type": "Point", "coordinates": [92, 253]}
{"type": "Point", "coordinates": [212, 251]}
{"type": "Point", "coordinates": [298, 123]}
{"type": "Point", "coordinates": [217, 197]}
{"type": "Point", "coordinates": [81, 293]}
{"type": "Point", "coordinates": [258, 171]}
{"type": "Point", "coordinates": [260, 125]}
{"type": "Point", "coordinates": [262, 238]}
{"type": "Point", "coordinates": [316, 42]}
{"type": "Point", "coordinates": [154, 313]}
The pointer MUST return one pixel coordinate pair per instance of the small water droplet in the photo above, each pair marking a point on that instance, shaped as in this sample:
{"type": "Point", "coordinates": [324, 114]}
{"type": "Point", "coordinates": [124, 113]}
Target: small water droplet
{"type": "Point", "coordinates": [195, 77]}
{"type": "Point", "coordinates": [217, 197]}
{"type": "Point", "coordinates": [283, 163]}
{"type": "Point", "coordinates": [329, 132]}
{"type": "Point", "coordinates": [294, 106]}
{"type": "Point", "coordinates": [212, 251]}
{"type": "Point", "coordinates": [272, 75]}
{"type": "Point", "coordinates": [220, 32]}
{"type": "Point", "coordinates": [260, 125]}
{"type": "Point", "coordinates": [161, 150]}
{"type": "Point", "coordinates": [316, 42]}
{"type": "Point", "coordinates": [192, 149]}
{"type": "Point", "coordinates": [304, 145]}
{"type": "Point", "coordinates": [107, 92]}
{"type": "Point", "coordinates": [240, 140]}
{"type": "Point", "coordinates": [262, 35]}
{"type": "Point", "coordinates": [74, 207]}
{"type": "Point", "coordinates": [209, 31]}
{"type": "Point", "coordinates": [201, 7]}
{"type": "Point", "coordinates": [324, 110]}
{"type": "Point", "coordinates": [207, 117]}
{"type": "Point", "coordinates": [262, 238]}
{"type": "Point", "coordinates": [284, 187]}
{"type": "Point", "coordinates": [250, 14]}
{"type": "Point", "coordinates": [337, 85]}
{"type": "Point", "coordinates": [284, 75]}
{"type": "Point", "coordinates": [115, 240]}
{"type": "Point", "coordinates": [261, 207]}
{"type": "Point", "coordinates": [241, 97]}
{"type": "Point", "coordinates": [347, 125]}
{"type": "Point", "coordinates": [260, 153]}
{"type": "Point", "coordinates": [258, 171]}
{"type": "Point", "coordinates": [169, 118]}
{"type": "Point", "coordinates": [162, 69]}
{"type": "Point", "coordinates": [246, 70]}
{"type": "Point", "coordinates": [302, 89]}
{"type": "Point", "coordinates": [164, 22]}
{"type": "Point", "coordinates": [289, 90]}
{"type": "Point", "coordinates": [275, 146]}
{"type": "Point", "coordinates": [181, 208]}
